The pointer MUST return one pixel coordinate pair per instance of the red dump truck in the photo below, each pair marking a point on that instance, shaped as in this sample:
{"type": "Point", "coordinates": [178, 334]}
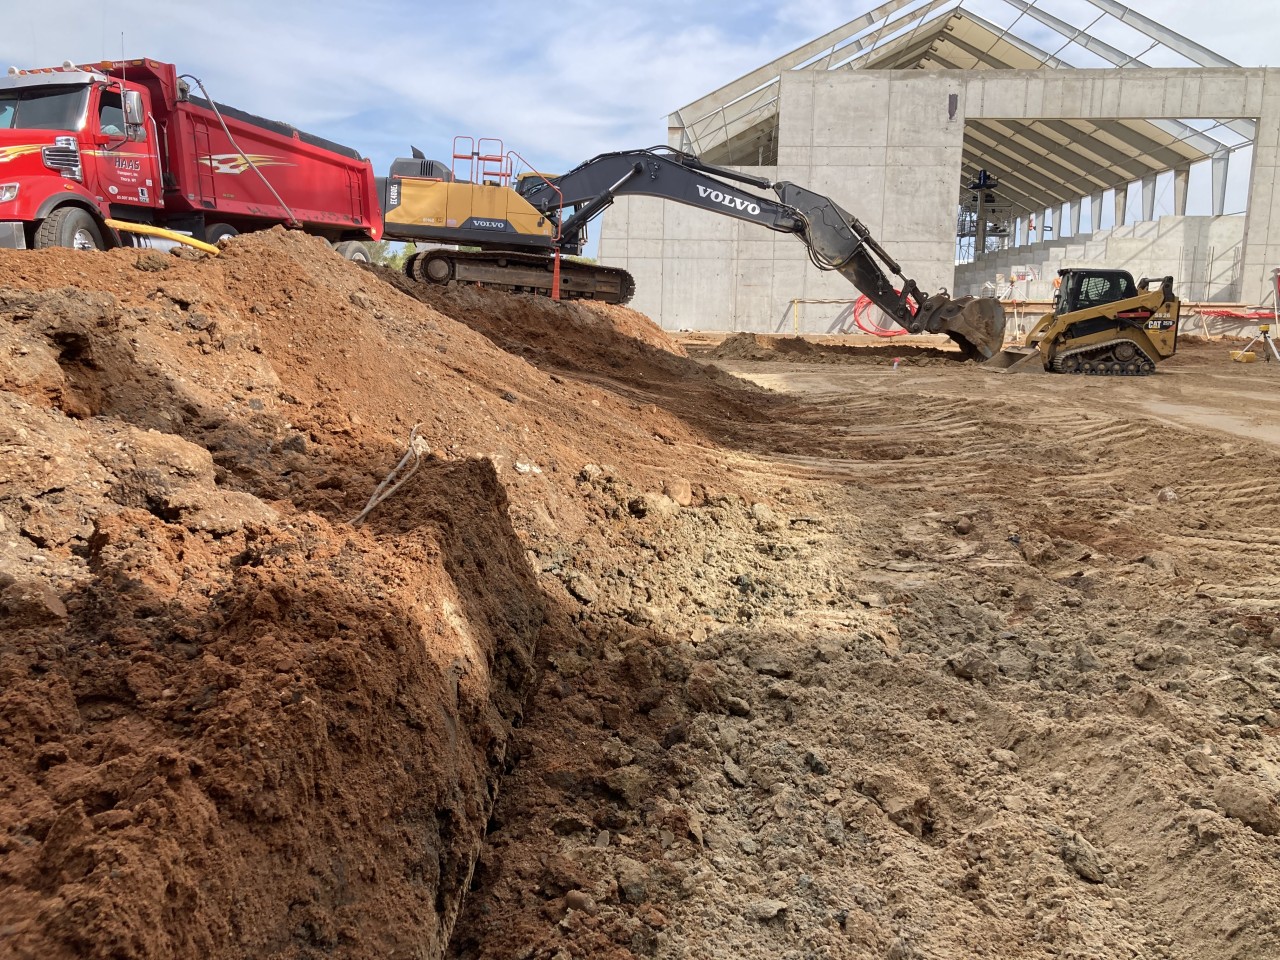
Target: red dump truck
{"type": "Point", "coordinates": [128, 140]}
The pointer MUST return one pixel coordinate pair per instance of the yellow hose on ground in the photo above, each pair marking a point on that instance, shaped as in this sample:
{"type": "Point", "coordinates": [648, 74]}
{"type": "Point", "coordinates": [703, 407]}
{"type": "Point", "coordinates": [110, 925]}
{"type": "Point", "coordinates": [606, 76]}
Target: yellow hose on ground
{"type": "Point", "coordinates": [150, 231]}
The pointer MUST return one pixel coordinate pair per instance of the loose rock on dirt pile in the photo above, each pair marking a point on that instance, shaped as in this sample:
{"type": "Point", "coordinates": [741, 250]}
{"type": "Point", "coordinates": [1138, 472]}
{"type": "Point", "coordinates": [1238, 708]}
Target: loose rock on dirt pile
{"type": "Point", "coordinates": [875, 672]}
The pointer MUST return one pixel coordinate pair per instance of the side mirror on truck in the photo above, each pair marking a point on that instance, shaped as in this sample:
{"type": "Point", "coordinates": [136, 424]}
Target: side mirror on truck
{"type": "Point", "coordinates": [133, 114]}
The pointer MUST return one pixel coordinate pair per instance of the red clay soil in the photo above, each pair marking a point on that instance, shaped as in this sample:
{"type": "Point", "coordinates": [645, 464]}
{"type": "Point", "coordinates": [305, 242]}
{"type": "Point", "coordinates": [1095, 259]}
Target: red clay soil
{"type": "Point", "coordinates": [231, 723]}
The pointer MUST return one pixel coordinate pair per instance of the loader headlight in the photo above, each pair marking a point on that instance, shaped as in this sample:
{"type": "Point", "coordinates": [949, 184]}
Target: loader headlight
{"type": "Point", "coordinates": [8, 191]}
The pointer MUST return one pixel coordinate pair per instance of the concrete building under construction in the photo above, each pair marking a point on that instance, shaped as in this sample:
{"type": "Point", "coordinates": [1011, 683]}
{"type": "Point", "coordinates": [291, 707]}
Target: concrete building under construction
{"type": "Point", "coordinates": [985, 145]}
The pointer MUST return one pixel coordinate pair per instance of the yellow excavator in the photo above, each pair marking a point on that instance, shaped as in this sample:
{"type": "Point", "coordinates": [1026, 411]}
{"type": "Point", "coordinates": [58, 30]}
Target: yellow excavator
{"type": "Point", "coordinates": [508, 235]}
{"type": "Point", "coordinates": [1102, 323]}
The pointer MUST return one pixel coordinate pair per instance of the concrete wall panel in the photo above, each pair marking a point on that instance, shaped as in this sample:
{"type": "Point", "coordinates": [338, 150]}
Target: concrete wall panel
{"type": "Point", "coordinates": [753, 294]}
{"type": "Point", "coordinates": [645, 249]}
{"type": "Point", "coordinates": [695, 292]}
{"type": "Point", "coordinates": [795, 156]}
{"type": "Point", "coordinates": [761, 244]}
{"type": "Point", "coordinates": [1033, 98]}
{"type": "Point", "coordinates": [1224, 90]}
{"type": "Point", "coordinates": [1141, 96]}
{"type": "Point", "coordinates": [1268, 136]}
{"type": "Point", "coordinates": [795, 124]}
{"type": "Point", "coordinates": [1167, 93]}
{"type": "Point", "coordinates": [842, 121]}
{"type": "Point", "coordinates": [827, 156]}
{"type": "Point", "coordinates": [1077, 96]}
{"type": "Point", "coordinates": [1051, 105]}
{"type": "Point", "coordinates": [647, 274]}
{"type": "Point", "coordinates": [693, 223]}
{"type": "Point", "coordinates": [693, 248]}
{"type": "Point", "coordinates": [614, 249]}
{"type": "Point", "coordinates": [1109, 103]}
{"type": "Point", "coordinates": [925, 198]}
{"type": "Point", "coordinates": [920, 111]}
{"type": "Point", "coordinates": [645, 216]}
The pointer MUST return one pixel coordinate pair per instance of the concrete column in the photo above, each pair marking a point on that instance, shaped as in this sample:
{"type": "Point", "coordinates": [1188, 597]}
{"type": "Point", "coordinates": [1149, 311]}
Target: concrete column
{"type": "Point", "coordinates": [1075, 216]}
{"type": "Point", "coordinates": [1262, 225]}
{"type": "Point", "coordinates": [1095, 211]}
{"type": "Point", "coordinates": [1181, 178]}
{"type": "Point", "coordinates": [1055, 221]}
{"type": "Point", "coordinates": [1149, 197]}
{"type": "Point", "coordinates": [1218, 166]}
{"type": "Point", "coordinates": [1122, 203]}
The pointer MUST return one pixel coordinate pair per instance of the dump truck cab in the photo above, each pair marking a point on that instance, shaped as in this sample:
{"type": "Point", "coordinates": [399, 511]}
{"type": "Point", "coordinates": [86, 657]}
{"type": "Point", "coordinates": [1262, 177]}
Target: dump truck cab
{"type": "Point", "coordinates": [88, 150]}
{"type": "Point", "coordinates": [74, 147]}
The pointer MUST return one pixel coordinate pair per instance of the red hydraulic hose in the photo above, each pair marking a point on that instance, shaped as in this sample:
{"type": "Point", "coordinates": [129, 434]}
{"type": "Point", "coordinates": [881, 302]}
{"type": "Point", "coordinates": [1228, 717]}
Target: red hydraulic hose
{"type": "Point", "coordinates": [867, 326]}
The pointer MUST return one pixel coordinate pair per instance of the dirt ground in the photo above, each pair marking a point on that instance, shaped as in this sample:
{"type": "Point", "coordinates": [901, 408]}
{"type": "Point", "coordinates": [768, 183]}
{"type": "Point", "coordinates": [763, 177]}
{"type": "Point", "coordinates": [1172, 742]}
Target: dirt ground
{"type": "Point", "coordinates": [794, 655]}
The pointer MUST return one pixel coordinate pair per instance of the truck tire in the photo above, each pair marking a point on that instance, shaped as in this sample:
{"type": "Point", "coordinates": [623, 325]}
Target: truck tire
{"type": "Point", "coordinates": [216, 231]}
{"type": "Point", "coordinates": [355, 250]}
{"type": "Point", "coordinates": [69, 227]}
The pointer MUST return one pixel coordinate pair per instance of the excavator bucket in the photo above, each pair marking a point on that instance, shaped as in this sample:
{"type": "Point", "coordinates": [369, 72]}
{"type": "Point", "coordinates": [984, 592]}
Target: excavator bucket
{"type": "Point", "coordinates": [1016, 360]}
{"type": "Point", "coordinates": [975, 323]}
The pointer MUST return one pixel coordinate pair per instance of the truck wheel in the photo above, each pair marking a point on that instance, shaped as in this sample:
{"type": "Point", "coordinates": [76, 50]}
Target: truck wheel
{"type": "Point", "coordinates": [354, 250]}
{"type": "Point", "coordinates": [216, 231]}
{"type": "Point", "coordinates": [69, 227]}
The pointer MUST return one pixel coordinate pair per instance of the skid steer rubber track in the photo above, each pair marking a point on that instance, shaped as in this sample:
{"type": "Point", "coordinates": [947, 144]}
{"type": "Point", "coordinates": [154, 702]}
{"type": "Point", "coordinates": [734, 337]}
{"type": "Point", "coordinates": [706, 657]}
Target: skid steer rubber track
{"type": "Point", "coordinates": [1115, 358]}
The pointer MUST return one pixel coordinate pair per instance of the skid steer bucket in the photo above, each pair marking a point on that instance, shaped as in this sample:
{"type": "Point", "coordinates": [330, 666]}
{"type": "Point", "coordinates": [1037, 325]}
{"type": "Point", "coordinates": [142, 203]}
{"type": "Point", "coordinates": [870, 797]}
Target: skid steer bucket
{"type": "Point", "coordinates": [1016, 360]}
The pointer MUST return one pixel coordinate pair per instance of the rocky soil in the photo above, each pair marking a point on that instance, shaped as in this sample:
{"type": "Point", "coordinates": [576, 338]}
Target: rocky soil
{"type": "Point", "coordinates": [644, 660]}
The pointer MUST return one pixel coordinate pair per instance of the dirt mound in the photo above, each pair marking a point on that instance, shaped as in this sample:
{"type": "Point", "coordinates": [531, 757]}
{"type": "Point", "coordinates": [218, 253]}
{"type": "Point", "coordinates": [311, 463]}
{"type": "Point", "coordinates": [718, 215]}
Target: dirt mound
{"type": "Point", "coordinates": [231, 723]}
{"type": "Point", "coordinates": [597, 340]}
{"type": "Point", "coordinates": [752, 346]}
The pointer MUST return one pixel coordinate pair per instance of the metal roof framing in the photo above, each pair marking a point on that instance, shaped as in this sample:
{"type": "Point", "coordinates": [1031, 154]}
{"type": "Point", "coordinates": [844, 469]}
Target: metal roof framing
{"type": "Point", "coordinates": [1040, 162]}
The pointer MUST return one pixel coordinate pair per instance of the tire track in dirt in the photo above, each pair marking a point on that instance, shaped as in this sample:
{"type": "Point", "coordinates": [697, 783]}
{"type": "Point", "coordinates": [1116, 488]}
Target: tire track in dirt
{"type": "Point", "coordinates": [1134, 558]}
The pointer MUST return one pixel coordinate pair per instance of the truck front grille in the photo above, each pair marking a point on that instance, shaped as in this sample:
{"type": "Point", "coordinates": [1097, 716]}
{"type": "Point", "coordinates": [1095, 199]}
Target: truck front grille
{"type": "Point", "coordinates": [64, 156]}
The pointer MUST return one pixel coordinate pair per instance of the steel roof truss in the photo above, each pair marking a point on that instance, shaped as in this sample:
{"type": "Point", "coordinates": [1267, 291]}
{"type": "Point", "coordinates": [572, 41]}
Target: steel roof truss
{"type": "Point", "coordinates": [1035, 154]}
{"type": "Point", "coordinates": [1031, 183]}
{"type": "Point", "coordinates": [1202, 56]}
{"type": "Point", "coordinates": [1010, 188]}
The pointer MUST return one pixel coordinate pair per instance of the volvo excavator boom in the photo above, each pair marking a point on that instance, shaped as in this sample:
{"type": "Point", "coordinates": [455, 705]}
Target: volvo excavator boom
{"type": "Point", "coordinates": [835, 239]}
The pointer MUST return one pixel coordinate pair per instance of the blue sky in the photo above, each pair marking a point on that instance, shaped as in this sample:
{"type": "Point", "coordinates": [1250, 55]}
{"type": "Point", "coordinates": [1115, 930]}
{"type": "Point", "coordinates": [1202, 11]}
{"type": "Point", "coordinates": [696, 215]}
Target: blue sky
{"type": "Point", "coordinates": [560, 82]}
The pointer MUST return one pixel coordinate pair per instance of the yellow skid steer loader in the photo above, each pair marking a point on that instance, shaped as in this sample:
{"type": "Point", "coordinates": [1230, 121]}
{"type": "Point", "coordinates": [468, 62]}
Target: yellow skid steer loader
{"type": "Point", "coordinates": [1102, 323]}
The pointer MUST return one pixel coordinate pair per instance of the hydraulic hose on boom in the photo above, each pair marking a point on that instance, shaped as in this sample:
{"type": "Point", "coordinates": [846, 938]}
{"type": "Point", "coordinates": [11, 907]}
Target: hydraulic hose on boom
{"type": "Point", "coordinates": [835, 239]}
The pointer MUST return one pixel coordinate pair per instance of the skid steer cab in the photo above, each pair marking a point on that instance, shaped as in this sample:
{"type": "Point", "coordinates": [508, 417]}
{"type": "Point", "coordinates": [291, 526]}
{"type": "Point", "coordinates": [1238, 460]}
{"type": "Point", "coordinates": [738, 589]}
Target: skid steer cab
{"type": "Point", "coordinates": [1103, 323]}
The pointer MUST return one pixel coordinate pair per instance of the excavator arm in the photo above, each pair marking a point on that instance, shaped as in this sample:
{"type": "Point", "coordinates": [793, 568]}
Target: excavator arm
{"type": "Point", "coordinates": [835, 239]}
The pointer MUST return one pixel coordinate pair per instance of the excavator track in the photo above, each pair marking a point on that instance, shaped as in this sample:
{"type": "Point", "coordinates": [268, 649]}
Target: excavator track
{"type": "Point", "coordinates": [522, 273]}
{"type": "Point", "coordinates": [1116, 358]}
